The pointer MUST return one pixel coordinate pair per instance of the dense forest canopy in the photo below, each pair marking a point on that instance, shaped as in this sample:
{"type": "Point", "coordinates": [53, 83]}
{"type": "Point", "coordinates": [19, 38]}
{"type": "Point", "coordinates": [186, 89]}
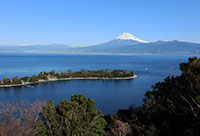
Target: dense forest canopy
{"type": "Point", "coordinates": [44, 76]}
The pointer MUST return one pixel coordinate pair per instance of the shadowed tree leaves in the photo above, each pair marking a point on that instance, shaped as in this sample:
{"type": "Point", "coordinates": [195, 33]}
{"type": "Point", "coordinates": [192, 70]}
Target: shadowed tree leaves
{"type": "Point", "coordinates": [172, 108]}
{"type": "Point", "coordinates": [173, 105]}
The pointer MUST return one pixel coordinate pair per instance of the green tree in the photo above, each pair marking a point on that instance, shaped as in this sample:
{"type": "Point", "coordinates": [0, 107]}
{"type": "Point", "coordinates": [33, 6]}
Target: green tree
{"type": "Point", "coordinates": [6, 81]}
{"type": "Point", "coordinates": [16, 80]}
{"type": "Point", "coordinates": [50, 121]}
{"type": "Point", "coordinates": [172, 107]}
{"type": "Point", "coordinates": [25, 79]}
{"type": "Point", "coordinates": [175, 102]}
{"type": "Point", "coordinates": [78, 117]}
{"type": "Point", "coordinates": [43, 75]}
{"type": "Point", "coordinates": [33, 79]}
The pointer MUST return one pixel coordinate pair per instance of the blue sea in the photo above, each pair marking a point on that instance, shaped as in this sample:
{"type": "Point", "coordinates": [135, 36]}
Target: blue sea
{"type": "Point", "coordinates": [109, 95]}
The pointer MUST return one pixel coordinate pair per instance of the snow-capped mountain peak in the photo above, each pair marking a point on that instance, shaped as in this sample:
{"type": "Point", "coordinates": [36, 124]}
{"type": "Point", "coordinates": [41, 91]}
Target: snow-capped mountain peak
{"type": "Point", "coordinates": [128, 36]}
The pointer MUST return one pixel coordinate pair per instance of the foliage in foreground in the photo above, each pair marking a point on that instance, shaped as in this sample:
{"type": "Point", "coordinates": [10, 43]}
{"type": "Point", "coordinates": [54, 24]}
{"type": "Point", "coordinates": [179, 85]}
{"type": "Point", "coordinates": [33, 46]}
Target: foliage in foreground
{"type": "Point", "coordinates": [76, 118]}
{"type": "Point", "coordinates": [19, 118]}
{"type": "Point", "coordinates": [172, 108]}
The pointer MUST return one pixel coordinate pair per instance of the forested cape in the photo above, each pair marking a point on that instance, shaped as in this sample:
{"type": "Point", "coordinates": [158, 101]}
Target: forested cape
{"type": "Point", "coordinates": [53, 75]}
{"type": "Point", "coordinates": [171, 108]}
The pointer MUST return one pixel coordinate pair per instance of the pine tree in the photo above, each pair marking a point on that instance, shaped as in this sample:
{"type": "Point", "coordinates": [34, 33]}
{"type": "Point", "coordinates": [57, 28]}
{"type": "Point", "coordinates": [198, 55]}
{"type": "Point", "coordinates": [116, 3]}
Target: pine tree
{"type": "Point", "coordinates": [76, 118]}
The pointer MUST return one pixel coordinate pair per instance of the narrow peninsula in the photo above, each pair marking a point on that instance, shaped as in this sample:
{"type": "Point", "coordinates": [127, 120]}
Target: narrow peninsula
{"type": "Point", "coordinates": [70, 75]}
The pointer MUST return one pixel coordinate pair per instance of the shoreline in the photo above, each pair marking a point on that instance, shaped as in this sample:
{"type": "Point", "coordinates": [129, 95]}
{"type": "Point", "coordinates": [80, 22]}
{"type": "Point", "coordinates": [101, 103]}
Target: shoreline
{"type": "Point", "coordinates": [65, 79]}
{"type": "Point", "coordinates": [73, 53]}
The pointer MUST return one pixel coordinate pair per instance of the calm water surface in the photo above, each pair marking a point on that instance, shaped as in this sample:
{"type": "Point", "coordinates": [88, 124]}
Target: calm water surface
{"type": "Point", "coordinates": [109, 95]}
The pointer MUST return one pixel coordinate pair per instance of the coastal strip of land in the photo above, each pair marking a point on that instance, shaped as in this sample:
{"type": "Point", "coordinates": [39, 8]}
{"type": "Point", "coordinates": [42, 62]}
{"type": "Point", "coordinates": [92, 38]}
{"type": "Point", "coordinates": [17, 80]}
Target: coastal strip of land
{"type": "Point", "coordinates": [43, 77]}
{"type": "Point", "coordinates": [63, 79]}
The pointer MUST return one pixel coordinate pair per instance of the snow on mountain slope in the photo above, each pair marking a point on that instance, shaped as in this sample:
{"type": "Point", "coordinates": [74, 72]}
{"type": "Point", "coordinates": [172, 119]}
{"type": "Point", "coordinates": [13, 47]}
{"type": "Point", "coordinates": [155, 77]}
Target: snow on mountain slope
{"type": "Point", "coordinates": [128, 36]}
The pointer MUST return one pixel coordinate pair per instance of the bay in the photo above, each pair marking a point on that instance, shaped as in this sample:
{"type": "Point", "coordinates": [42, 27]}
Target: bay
{"type": "Point", "coordinates": [109, 95]}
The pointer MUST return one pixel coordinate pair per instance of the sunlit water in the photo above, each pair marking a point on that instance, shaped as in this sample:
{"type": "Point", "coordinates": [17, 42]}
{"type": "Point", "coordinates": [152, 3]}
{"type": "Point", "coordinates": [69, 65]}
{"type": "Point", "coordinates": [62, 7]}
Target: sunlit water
{"type": "Point", "coordinates": [109, 95]}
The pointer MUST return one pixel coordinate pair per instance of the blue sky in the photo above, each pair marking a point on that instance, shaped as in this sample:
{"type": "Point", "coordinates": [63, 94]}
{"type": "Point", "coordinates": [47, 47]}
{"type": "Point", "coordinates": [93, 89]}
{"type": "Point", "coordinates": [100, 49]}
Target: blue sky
{"type": "Point", "coordinates": [88, 22]}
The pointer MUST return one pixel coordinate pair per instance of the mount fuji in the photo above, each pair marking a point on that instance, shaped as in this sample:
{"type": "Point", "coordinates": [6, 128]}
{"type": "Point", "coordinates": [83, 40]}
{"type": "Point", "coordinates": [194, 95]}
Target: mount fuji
{"type": "Point", "coordinates": [125, 39]}
{"type": "Point", "coordinates": [123, 44]}
{"type": "Point", "coordinates": [129, 44]}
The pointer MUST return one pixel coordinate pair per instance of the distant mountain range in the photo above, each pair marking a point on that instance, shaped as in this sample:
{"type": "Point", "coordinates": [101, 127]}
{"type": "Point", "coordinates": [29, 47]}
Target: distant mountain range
{"type": "Point", "coordinates": [123, 44]}
{"type": "Point", "coordinates": [24, 48]}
